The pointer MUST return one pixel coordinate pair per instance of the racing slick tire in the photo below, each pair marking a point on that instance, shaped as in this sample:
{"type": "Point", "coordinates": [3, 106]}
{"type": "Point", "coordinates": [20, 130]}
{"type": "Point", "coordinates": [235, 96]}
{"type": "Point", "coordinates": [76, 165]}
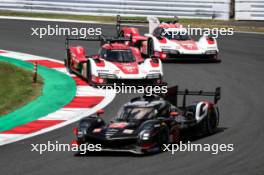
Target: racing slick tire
{"type": "Point", "coordinates": [209, 124]}
{"type": "Point", "coordinates": [176, 135]}
{"type": "Point", "coordinates": [212, 120]}
{"type": "Point", "coordinates": [150, 50]}
{"type": "Point", "coordinates": [215, 58]}
{"type": "Point", "coordinates": [67, 62]}
{"type": "Point", "coordinates": [163, 138]}
{"type": "Point", "coordinates": [89, 74]}
{"type": "Point", "coordinates": [67, 65]}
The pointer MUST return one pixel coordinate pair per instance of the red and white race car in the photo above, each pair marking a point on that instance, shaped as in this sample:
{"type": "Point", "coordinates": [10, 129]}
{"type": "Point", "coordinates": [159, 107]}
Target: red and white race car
{"type": "Point", "coordinates": [115, 61]}
{"type": "Point", "coordinates": [169, 40]}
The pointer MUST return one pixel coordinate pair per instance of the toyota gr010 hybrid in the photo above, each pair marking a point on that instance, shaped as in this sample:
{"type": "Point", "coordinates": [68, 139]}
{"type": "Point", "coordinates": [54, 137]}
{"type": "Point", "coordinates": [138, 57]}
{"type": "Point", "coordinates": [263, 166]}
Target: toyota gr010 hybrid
{"type": "Point", "coordinates": [114, 61]}
{"type": "Point", "coordinates": [168, 40]}
{"type": "Point", "coordinates": [145, 123]}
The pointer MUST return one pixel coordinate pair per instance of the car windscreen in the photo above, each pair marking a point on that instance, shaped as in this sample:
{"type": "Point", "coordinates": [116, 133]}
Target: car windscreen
{"type": "Point", "coordinates": [129, 114]}
{"type": "Point", "coordinates": [176, 35]}
{"type": "Point", "coordinates": [123, 56]}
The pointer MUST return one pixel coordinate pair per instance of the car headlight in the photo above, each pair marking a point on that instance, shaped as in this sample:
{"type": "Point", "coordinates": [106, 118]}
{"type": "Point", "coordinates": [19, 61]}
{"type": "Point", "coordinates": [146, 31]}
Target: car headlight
{"type": "Point", "coordinates": [144, 135]}
{"type": "Point", "coordinates": [81, 133]}
{"type": "Point", "coordinates": [128, 131]}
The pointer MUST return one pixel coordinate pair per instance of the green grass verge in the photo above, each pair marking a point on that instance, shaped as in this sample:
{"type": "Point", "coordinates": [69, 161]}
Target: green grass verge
{"type": "Point", "coordinates": [16, 87]}
{"type": "Point", "coordinates": [249, 26]}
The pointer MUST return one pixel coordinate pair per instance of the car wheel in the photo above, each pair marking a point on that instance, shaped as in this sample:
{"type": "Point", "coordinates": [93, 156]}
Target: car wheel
{"type": "Point", "coordinates": [163, 138]}
{"type": "Point", "coordinates": [215, 58]}
{"type": "Point", "coordinates": [150, 48]}
{"type": "Point", "coordinates": [175, 134]}
{"type": "Point", "coordinates": [212, 120]}
{"type": "Point", "coordinates": [68, 67]}
{"type": "Point", "coordinates": [89, 74]}
{"type": "Point", "coordinates": [209, 124]}
{"type": "Point", "coordinates": [159, 80]}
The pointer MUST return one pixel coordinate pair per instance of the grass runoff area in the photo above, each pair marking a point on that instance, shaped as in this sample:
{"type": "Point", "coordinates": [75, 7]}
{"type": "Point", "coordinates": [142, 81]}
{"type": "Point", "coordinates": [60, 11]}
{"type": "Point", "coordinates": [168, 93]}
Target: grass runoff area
{"type": "Point", "coordinates": [16, 87]}
{"type": "Point", "coordinates": [247, 26]}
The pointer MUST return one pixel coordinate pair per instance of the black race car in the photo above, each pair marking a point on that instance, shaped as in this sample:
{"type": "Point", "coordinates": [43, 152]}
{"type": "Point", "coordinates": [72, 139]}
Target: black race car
{"type": "Point", "coordinates": [145, 123]}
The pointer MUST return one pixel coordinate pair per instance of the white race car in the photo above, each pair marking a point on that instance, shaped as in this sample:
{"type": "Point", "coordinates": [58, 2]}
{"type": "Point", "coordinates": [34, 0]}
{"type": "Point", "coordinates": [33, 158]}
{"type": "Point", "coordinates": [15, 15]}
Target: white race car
{"type": "Point", "coordinates": [115, 61]}
{"type": "Point", "coordinates": [169, 40]}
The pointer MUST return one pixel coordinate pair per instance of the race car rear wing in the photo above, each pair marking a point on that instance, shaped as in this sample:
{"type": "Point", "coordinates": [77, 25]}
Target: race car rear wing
{"type": "Point", "coordinates": [154, 22]}
{"type": "Point", "coordinates": [120, 21]}
{"type": "Point", "coordinates": [100, 38]}
{"type": "Point", "coordinates": [151, 20]}
{"type": "Point", "coordinates": [174, 92]}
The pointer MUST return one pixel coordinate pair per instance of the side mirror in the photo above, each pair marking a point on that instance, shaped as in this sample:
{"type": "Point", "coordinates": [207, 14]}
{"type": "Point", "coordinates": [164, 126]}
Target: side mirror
{"type": "Point", "coordinates": [159, 36]}
{"type": "Point", "coordinates": [174, 114]}
{"type": "Point", "coordinates": [100, 112]}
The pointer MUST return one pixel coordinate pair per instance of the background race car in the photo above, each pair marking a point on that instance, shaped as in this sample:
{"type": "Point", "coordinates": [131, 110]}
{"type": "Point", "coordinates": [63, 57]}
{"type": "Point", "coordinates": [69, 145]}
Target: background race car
{"type": "Point", "coordinates": [145, 123]}
{"type": "Point", "coordinates": [169, 40]}
{"type": "Point", "coordinates": [114, 61]}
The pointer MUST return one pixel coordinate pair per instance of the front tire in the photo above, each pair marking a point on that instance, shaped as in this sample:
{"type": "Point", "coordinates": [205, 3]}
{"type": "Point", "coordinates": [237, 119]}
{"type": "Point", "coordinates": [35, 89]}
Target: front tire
{"type": "Point", "coordinates": [68, 66]}
{"type": "Point", "coordinates": [163, 138]}
{"type": "Point", "coordinates": [89, 74]}
{"type": "Point", "coordinates": [150, 52]}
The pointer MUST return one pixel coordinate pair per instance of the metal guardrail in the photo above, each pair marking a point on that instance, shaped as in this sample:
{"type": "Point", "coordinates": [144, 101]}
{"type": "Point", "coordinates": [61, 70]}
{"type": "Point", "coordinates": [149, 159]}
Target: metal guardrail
{"type": "Point", "coordinates": [207, 9]}
{"type": "Point", "coordinates": [249, 9]}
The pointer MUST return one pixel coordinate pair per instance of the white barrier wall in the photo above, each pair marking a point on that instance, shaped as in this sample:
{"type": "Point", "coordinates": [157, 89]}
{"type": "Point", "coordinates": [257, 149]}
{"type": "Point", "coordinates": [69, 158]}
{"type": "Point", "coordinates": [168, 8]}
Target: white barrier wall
{"type": "Point", "coordinates": [218, 9]}
{"type": "Point", "coordinates": [249, 9]}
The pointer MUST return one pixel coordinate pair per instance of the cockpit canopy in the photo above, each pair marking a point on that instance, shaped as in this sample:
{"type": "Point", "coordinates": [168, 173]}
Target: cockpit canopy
{"type": "Point", "coordinates": [117, 55]}
{"type": "Point", "coordinates": [135, 113]}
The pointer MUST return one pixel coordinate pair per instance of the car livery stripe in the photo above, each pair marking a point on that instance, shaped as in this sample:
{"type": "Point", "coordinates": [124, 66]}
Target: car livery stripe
{"type": "Point", "coordinates": [86, 102]}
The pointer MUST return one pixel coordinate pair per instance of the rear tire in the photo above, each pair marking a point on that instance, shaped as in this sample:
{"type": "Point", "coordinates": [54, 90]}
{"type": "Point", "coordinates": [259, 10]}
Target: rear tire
{"type": "Point", "coordinates": [212, 121]}
{"type": "Point", "coordinates": [215, 58]}
{"type": "Point", "coordinates": [209, 124]}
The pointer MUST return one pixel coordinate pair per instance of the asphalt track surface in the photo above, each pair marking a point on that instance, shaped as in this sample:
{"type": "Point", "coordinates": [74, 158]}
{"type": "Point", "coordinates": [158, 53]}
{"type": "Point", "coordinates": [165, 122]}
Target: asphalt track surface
{"type": "Point", "coordinates": [241, 76]}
